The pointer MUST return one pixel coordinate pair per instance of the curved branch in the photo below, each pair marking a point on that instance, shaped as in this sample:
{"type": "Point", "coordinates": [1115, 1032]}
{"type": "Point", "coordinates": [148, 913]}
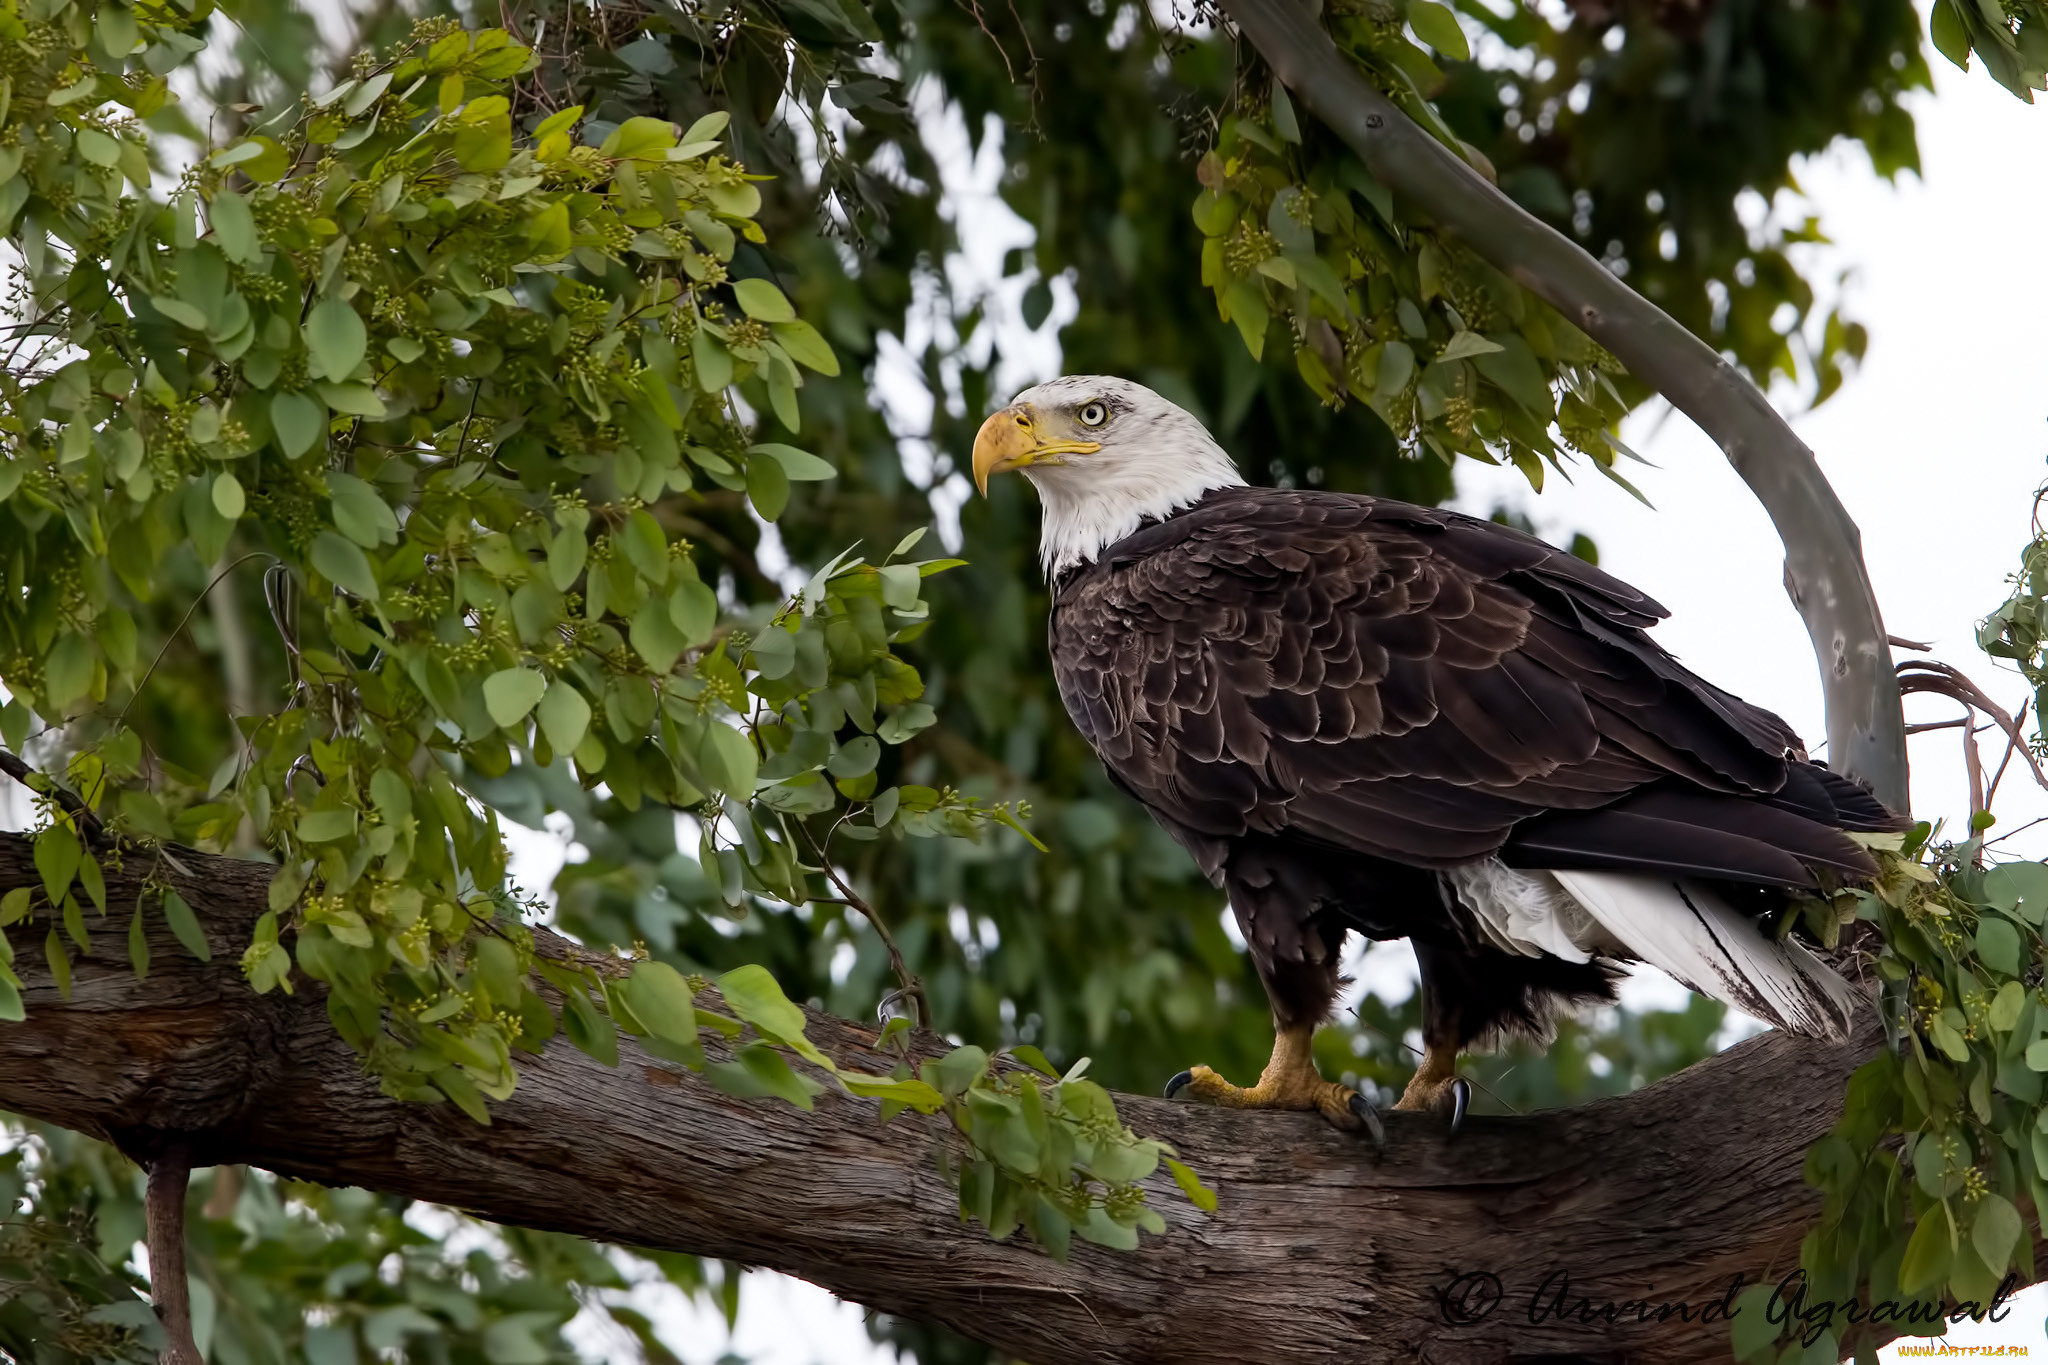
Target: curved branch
{"type": "Point", "coordinates": [1824, 571]}
{"type": "Point", "coordinates": [1316, 1253]}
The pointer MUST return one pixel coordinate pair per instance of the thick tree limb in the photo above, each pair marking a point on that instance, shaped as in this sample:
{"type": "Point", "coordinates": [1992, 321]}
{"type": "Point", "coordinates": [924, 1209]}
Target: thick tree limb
{"type": "Point", "coordinates": [1318, 1253]}
{"type": "Point", "coordinates": [1824, 571]}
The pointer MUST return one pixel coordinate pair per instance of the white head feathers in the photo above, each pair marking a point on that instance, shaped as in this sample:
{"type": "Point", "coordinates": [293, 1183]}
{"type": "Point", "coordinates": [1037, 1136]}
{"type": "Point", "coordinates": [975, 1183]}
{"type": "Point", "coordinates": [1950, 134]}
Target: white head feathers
{"type": "Point", "coordinates": [1152, 458]}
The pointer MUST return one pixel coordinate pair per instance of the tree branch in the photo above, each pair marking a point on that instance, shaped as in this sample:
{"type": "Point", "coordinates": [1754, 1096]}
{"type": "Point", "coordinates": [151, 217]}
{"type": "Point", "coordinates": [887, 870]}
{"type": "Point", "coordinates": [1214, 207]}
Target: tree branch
{"type": "Point", "coordinates": [1316, 1253]}
{"type": "Point", "coordinates": [1824, 572]}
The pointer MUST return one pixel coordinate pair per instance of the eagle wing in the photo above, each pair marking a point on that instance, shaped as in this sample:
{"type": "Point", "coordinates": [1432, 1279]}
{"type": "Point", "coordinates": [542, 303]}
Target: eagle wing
{"type": "Point", "coordinates": [1426, 687]}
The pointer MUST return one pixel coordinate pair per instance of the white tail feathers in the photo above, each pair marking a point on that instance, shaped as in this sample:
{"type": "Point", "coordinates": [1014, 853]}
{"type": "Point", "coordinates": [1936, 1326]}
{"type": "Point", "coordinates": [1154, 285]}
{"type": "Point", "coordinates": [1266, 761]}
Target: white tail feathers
{"type": "Point", "coordinates": [1677, 925]}
{"type": "Point", "coordinates": [1717, 950]}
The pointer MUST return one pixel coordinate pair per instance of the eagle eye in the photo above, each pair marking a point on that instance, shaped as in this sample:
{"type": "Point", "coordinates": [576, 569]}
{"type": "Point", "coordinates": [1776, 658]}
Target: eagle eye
{"type": "Point", "coordinates": [1093, 414]}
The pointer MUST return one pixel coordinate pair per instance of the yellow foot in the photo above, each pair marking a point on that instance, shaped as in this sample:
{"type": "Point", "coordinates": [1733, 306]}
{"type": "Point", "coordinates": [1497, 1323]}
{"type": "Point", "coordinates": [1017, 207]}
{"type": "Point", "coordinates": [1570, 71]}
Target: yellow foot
{"type": "Point", "coordinates": [1290, 1081]}
{"type": "Point", "coordinates": [1437, 1087]}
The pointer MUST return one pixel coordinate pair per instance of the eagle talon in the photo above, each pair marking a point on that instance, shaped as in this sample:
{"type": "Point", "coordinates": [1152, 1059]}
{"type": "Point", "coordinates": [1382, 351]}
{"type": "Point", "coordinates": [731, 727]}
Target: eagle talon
{"type": "Point", "coordinates": [1461, 1100]}
{"type": "Point", "coordinates": [1180, 1081]}
{"type": "Point", "coordinates": [1368, 1114]}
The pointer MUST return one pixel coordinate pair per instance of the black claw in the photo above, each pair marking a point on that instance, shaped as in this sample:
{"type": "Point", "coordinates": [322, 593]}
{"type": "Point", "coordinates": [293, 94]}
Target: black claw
{"type": "Point", "coordinates": [1461, 1100]}
{"type": "Point", "coordinates": [1370, 1117]}
{"type": "Point", "coordinates": [1181, 1080]}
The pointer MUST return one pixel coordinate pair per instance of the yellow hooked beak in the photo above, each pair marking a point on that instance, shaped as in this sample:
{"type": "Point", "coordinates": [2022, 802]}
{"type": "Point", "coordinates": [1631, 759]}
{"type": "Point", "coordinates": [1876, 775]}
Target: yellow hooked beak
{"type": "Point", "coordinates": [1010, 440]}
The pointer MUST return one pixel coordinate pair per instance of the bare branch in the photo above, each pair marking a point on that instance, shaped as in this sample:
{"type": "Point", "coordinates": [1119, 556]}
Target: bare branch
{"type": "Point", "coordinates": [1824, 572]}
{"type": "Point", "coordinates": [164, 1212]}
{"type": "Point", "coordinates": [1946, 680]}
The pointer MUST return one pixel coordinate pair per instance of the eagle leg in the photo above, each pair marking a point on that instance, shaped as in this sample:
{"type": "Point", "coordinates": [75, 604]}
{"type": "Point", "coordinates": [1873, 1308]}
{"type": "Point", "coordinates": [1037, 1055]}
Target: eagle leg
{"type": "Point", "coordinates": [1437, 1086]}
{"type": "Point", "coordinates": [1290, 1081]}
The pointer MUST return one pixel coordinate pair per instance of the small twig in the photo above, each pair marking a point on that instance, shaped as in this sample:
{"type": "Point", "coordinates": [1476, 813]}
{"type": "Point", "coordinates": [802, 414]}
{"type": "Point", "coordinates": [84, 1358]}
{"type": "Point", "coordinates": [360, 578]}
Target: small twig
{"type": "Point", "coordinates": [183, 621]}
{"type": "Point", "coordinates": [1900, 642]}
{"type": "Point", "coordinates": [2039, 819]}
{"type": "Point", "coordinates": [1973, 766]}
{"type": "Point", "coordinates": [1926, 675]}
{"type": "Point", "coordinates": [81, 814]}
{"type": "Point", "coordinates": [1924, 726]}
{"type": "Point", "coordinates": [2012, 742]}
{"type": "Point", "coordinates": [912, 989]}
{"type": "Point", "coordinates": [164, 1219]}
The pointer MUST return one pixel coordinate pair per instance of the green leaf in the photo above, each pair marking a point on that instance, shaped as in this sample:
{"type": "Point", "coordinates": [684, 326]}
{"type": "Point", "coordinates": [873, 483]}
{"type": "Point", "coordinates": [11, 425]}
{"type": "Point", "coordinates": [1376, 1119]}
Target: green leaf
{"type": "Point", "coordinates": [67, 671]}
{"type": "Point", "coordinates": [706, 128]}
{"type": "Point", "coordinates": [855, 758]}
{"type": "Point", "coordinates": [591, 1032]}
{"type": "Point", "coordinates": [1995, 1231]}
{"type": "Point", "coordinates": [335, 339]}
{"type": "Point", "coordinates": [360, 512]}
{"type": "Point", "coordinates": [1950, 34]}
{"type": "Point", "coordinates": [299, 420]}
{"type": "Point", "coordinates": [655, 637]}
{"type": "Point", "coordinates": [325, 826]}
{"type": "Point", "coordinates": [564, 716]}
{"type": "Point", "coordinates": [757, 1070]}
{"type": "Point", "coordinates": [57, 856]}
{"type": "Point", "coordinates": [806, 347]}
{"type": "Point", "coordinates": [660, 999]}
{"type": "Point", "coordinates": [1284, 121]}
{"type": "Point", "coordinates": [234, 228]}
{"type": "Point", "coordinates": [693, 609]}
{"type": "Point", "coordinates": [640, 136]}
{"type": "Point", "coordinates": [752, 994]}
{"type": "Point", "coordinates": [1998, 945]}
{"type": "Point", "coordinates": [228, 498]}
{"type": "Point", "coordinates": [730, 761]}
{"type": "Point", "coordinates": [797, 465]}
{"type": "Point", "coordinates": [1437, 26]}
{"type": "Point", "coordinates": [512, 692]}
{"type": "Point", "coordinates": [60, 963]}
{"type": "Point", "coordinates": [344, 564]}
{"type": "Point", "coordinates": [762, 301]}
{"type": "Point", "coordinates": [767, 488]}
{"type": "Point", "coordinates": [1200, 1195]}
{"type": "Point", "coordinates": [138, 946]}
{"type": "Point", "coordinates": [185, 926]}
{"type": "Point", "coordinates": [1467, 344]}
{"type": "Point", "coordinates": [2019, 889]}
{"type": "Point", "coordinates": [1928, 1254]}
{"type": "Point", "coordinates": [914, 1094]}
{"type": "Point", "coordinates": [712, 361]}
{"type": "Point", "coordinates": [1752, 1326]}
{"type": "Point", "coordinates": [957, 1070]}
{"type": "Point", "coordinates": [906, 721]}
{"type": "Point", "coordinates": [462, 1090]}
{"type": "Point", "coordinates": [2037, 1055]}
{"type": "Point", "coordinates": [2006, 1006]}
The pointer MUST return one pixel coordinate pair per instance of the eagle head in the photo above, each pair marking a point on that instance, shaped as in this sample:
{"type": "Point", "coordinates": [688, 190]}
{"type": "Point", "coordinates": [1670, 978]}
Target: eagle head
{"type": "Point", "coordinates": [1106, 455]}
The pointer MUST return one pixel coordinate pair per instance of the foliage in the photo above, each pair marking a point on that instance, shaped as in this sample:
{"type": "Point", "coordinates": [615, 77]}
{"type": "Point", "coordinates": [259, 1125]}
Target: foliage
{"type": "Point", "coordinates": [1657, 138]}
{"type": "Point", "coordinates": [441, 376]}
{"type": "Point", "coordinates": [1453, 355]}
{"type": "Point", "coordinates": [2010, 35]}
{"type": "Point", "coordinates": [284, 1271]}
{"type": "Point", "coordinates": [1456, 357]}
{"type": "Point", "coordinates": [1943, 1138]}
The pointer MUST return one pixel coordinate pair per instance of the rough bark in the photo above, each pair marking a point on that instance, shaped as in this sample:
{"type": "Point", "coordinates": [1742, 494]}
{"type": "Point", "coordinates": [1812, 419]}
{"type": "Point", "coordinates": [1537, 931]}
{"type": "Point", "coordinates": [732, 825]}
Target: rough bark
{"type": "Point", "coordinates": [1824, 571]}
{"type": "Point", "coordinates": [1317, 1253]}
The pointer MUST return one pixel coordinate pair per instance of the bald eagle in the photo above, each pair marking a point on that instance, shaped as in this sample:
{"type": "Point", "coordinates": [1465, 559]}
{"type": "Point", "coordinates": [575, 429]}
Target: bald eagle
{"type": "Point", "coordinates": [1358, 714]}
